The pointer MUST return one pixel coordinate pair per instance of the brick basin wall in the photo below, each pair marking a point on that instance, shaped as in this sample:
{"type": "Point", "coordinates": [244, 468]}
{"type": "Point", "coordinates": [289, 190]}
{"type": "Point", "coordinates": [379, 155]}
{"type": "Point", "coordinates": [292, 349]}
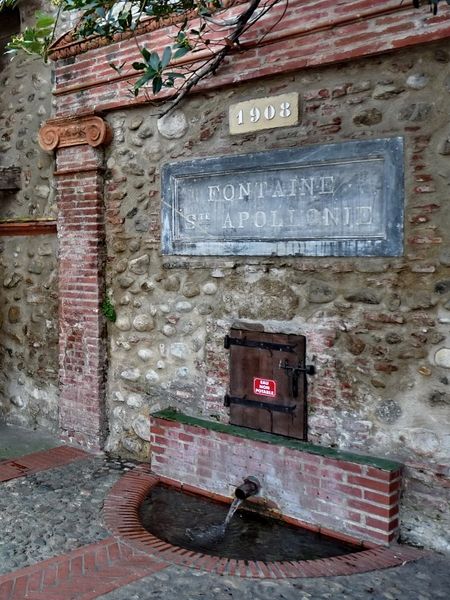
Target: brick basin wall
{"type": "Point", "coordinates": [335, 491]}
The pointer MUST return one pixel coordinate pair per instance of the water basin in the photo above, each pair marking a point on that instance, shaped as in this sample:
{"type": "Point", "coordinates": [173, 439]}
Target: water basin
{"type": "Point", "coordinates": [195, 523]}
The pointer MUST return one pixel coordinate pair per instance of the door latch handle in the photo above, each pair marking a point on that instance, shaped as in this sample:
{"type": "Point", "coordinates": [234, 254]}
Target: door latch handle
{"type": "Point", "coordinates": [307, 369]}
{"type": "Point", "coordinates": [294, 372]}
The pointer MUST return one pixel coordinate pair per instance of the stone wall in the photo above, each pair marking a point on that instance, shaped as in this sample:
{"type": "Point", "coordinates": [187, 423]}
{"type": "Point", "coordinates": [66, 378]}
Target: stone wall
{"type": "Point", "coordinates": [377, 328]}
{"type": "Point", "coordinates": [28, 264]}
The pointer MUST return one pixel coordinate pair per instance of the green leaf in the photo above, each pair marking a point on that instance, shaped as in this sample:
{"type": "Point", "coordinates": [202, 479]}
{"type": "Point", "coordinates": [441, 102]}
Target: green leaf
{"type": "Point", "coordinates": [143, 80]}
{"type": "Point", "coordinates": [154, 61]}
{"type": "Point", "coordinates": [181, 52]}
{"type": "Point", "coordinates": [157, 84]}
{"type": "Point", "coordinates": [166, 57]}
{"type": "Point", "coordinates": [44, 21]}
{"type": "Point", "coordinates": [146, 54]}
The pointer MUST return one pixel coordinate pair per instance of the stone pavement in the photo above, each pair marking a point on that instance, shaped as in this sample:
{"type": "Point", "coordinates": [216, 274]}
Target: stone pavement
{"type": "Point", "coordinates": [54, 546]}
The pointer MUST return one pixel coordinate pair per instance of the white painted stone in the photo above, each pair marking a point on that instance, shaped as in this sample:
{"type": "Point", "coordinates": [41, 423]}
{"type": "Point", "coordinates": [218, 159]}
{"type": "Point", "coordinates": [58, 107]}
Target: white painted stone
{"type": "Point", "coordinates": [135, 400]}
{"type": "Point", "coordinates": [151, 376]}
{"type": "Point", "coordinates": [118, 397]}
{"type": "Point", "coordinates": [160, 364]}
{"type": "Point", "coordinates": [164, 308]}
{"type": "Point", "coordinates": [145, 354]}
{"type": "Point", "coordinates": [210, 288]}
{"type": "Point", "coordinates": [121, 343]}
{"type": "Point", "coordinates": [173, 126]}
{"type": "Point", "coordinates": [179, 350]}
{"type": "Point", "coordinates": [120, 413]}
{"type": "Point", "coordinates": [417, 81]}
{"type": "Point", "coordinates": [123, 324]}
{"type": "Point", "coordinates": [184, 307]}
{"type": "Point", "coordinates": [42, 191]}
{"type": "Point", "coordinates": [130, 374]}
{"type": "Point", "coordinates": [218, 274]}
{"type": "Point", "coordinates": [143, 323]}
{"type": "Point", "coordinates": [169, 330]}
{"type": "Point", "coordinates": [141, 427]}
{"type": "Point", "coordinates": [442, 358]}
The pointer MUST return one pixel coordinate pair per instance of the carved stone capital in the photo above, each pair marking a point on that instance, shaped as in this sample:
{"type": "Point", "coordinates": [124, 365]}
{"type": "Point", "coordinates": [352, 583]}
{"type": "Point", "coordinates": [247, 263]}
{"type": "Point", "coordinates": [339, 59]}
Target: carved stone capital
{"type": "Point", "coordinates": [64, 132]}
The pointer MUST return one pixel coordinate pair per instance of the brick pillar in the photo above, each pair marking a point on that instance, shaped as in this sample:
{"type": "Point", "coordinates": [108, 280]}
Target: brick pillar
{"type": "Point", "coordinates": [81, 254]}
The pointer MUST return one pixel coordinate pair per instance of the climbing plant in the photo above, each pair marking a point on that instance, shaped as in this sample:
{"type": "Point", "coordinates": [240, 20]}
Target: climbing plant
{"type": "Point", "coordinates": [214, 32]}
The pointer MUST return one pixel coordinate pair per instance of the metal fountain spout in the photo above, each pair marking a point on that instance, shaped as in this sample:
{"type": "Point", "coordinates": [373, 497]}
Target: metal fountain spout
{"type": "Point", "coordinates": [249, 487]}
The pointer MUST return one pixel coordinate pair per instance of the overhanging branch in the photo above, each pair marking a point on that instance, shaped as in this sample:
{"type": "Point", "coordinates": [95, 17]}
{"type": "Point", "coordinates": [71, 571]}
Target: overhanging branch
{"type": "Point", "coordinates": [213, 64]}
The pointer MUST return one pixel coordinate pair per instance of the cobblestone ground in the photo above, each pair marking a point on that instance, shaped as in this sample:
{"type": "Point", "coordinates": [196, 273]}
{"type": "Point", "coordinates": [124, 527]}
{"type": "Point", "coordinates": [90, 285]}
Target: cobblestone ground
{"type": "Point", "coordinates": [427, 579]}
{"type": "Point", "coordinates": [54, 511]}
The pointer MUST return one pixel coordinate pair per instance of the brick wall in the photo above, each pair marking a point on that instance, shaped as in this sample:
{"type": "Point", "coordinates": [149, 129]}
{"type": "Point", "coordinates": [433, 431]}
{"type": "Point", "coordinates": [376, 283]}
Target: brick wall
{"type": "Point", "coordinates": [335, 493]}
{"type": "Point", "coordinates": [310, 34]}
{"type": "Point", "coordinates": [373, 335]}
{"type": "Point", "coordinates": [82, 353]}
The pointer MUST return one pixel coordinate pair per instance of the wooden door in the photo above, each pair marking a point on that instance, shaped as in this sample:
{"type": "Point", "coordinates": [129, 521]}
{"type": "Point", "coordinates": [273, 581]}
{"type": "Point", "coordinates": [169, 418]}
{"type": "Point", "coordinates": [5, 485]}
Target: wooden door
{"type": "Point", "coordinates": [267, 382]}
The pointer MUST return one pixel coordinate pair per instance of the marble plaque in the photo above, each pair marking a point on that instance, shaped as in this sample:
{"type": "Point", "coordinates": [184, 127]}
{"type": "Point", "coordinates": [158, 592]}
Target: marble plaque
{"type": "Point", "coordinates": [330, 200]}
{"type": "Point", "coordinates": [264, 113]}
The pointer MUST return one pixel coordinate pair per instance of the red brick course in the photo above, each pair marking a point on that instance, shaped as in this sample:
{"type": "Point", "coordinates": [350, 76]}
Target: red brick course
{"type": "Point", "coordinates": [39, 461]}
{"type": "Point", "coordinates": [311, 34]}
{"type": "Point", "coordinates": [84, 574]}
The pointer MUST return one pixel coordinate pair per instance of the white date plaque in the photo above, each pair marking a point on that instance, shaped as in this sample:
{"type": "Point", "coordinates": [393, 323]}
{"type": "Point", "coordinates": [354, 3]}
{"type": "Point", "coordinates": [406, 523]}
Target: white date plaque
{"type": "Point", "coordinates": [264, 113]}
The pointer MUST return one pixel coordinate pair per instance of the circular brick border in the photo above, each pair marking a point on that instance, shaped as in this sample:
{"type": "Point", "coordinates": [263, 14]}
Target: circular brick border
{"type": "Point", "coordinates": [121, 515]}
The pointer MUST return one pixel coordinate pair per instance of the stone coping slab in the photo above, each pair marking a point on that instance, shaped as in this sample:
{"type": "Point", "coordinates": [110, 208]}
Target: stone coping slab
{"type": "Point", "coordinates": [270, 438]}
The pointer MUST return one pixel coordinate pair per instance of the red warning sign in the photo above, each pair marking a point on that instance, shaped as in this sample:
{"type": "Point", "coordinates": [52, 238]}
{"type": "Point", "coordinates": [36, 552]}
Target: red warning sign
{"type": "Point", "coordinates": [264, 387]}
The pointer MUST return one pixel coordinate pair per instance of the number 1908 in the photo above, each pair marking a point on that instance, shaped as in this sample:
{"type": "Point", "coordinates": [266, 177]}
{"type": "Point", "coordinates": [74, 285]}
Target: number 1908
{"type": "Point", "coordinates": [269, 112]}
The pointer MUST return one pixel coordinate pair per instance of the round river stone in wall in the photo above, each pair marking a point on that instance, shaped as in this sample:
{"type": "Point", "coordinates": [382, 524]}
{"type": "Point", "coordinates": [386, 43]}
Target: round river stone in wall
{"type": "Point", "coordinates": [141, 426]}
{"type": "Point", "coordinates": [143, 323]}
{"type": "Point", "coordinates": [320, 292]}
{"type": "Point", "coordinates": [417, 81]}
{"type": "Point", "coordinates": [130, 374]}
{"type": "Point", "coordinates": [140, 265]}
{"type": "Point", "coordinates": [123, 324]}
{"type": "Point", "coordinates": [210, 288]}
{"type": "Point", "coordinates": [173, 125]}
{"type": "Point", "coordinates": [442, 358]}
{"type": "Point", "coordinates": [388, 411]}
